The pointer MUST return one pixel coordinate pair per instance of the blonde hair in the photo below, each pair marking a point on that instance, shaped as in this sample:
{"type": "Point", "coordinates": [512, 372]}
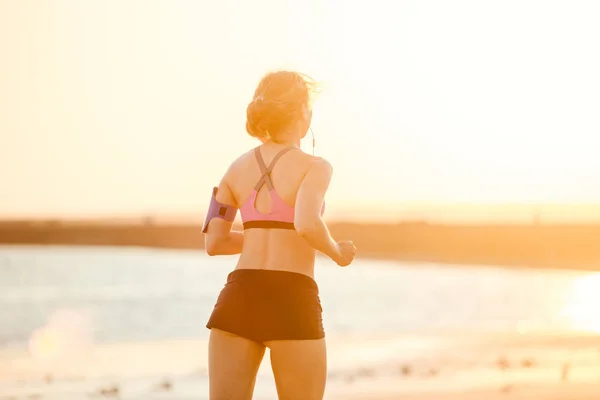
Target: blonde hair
{"type": "Point", "coordinates": [279, 100]}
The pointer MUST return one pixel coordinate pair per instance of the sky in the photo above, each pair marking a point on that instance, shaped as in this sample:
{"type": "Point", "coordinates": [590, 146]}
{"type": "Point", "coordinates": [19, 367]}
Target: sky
{"type": "Point", "coordinates": [138, 107]}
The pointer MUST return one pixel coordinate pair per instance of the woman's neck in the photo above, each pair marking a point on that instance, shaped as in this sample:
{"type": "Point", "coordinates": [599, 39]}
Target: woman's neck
{"type": "Point", "coordinates": [285, 142]}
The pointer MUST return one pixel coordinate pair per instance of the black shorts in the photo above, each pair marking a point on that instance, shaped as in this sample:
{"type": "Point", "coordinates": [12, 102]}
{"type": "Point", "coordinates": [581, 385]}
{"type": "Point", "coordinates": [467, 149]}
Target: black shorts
{"type": "Point", "coordinates": [264, 305]}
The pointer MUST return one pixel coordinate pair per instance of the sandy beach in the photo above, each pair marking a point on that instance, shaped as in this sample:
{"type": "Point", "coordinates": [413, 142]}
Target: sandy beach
{"type": "Point", "coordinates": [542, 367]}
{"type": "Point", "coordinates": [532, 392]}
{"type": "Point", "coordinates": [454, 366]}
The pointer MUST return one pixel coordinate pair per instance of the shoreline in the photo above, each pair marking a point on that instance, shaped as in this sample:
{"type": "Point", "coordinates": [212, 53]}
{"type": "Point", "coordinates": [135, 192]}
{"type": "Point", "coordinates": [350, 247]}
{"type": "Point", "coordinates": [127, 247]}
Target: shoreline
{"type": "Point", "coordinates": [421, 261]}
{"type": "Point", "coordinates": [561, 246]}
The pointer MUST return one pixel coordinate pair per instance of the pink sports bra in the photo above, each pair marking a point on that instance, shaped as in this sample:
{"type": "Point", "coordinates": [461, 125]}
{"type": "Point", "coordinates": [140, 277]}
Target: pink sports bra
{"type": "Point", "coordinates": [281, 215]}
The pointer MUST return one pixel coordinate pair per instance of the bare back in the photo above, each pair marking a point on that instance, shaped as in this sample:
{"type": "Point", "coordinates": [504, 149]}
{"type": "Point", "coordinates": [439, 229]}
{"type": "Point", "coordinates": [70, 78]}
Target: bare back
{"type": "Point", "coordinates": [277, 249]}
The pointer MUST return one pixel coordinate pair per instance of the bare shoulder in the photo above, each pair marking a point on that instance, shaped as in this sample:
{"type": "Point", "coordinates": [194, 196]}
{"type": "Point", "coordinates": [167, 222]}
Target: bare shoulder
{"type": "Point", "coordinates": [240, 164]}
{"type": "Point", "coordinates": [318, 172]}
{"type": "Point", "coordinates": [243, 158]}
{"type": "Point", "coordinates": [320, 165]}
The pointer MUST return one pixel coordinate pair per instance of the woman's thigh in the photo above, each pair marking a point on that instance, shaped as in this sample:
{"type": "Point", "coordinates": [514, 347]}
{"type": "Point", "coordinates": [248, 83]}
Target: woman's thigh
{"type": "Point", "coordinates": [300, 368]}
{"type": "Point", "coordinates": [233, 363]}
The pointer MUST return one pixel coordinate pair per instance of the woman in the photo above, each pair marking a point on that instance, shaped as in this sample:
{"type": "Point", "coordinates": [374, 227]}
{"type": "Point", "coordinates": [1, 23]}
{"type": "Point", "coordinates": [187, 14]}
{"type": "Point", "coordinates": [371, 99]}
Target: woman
{"type": "Point", "coordinates": [271, 298]}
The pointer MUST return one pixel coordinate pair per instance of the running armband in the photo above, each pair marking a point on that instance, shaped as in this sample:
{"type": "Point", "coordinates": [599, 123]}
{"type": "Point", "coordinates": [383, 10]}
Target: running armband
{"type": "Point", "coordinates": [218, 210]}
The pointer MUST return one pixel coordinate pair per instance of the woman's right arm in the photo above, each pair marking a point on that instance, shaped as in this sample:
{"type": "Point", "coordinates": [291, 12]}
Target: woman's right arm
{"type": "Point", "coordinates": [307, 219]}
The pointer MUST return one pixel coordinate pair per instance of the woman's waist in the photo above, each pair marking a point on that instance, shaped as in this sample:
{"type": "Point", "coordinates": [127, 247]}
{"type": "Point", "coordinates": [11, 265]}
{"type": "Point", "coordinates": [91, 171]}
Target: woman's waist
{"type": "Point", "coordinates": [287, 255]}
{"type": "Point", "coordinates": [268, 280]}
{"type": "Point", "coordinates": [308, 271]}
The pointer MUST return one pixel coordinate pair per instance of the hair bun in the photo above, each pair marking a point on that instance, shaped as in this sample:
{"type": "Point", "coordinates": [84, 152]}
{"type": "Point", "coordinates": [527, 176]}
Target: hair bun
{"type": "Point", "coordinates": [254, 118]}
{"type": "Point", "coordinates": [279, 101]}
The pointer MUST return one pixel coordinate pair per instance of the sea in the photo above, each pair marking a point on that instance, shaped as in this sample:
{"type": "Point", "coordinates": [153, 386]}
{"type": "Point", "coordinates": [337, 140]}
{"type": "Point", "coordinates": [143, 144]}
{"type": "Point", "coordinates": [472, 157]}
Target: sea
{"type": "Point", "coordinates": [75, 320]}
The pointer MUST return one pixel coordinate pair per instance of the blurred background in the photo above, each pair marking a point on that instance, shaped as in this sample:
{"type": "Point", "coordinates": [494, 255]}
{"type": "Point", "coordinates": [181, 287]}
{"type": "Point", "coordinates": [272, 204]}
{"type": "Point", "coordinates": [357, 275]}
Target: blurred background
{"type": "Point", "coordinates": [464, 139]}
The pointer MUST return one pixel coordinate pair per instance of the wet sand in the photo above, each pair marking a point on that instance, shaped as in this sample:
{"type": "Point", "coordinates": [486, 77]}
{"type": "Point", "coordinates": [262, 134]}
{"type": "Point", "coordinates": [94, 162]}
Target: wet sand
{"type": "Point", "coordinates": [533, 392]}
{"type": "Point", "coordinates": [540, 367]}
{"type": "Point", "coordinates": [452, 366]}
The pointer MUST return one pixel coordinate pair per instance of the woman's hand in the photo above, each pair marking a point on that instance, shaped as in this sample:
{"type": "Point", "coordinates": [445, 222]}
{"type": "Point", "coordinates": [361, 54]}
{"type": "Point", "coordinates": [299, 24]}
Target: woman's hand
{"type": "Point", "coordinates": [346, 253]}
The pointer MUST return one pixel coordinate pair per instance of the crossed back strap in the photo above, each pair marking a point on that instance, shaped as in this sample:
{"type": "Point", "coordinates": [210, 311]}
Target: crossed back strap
{"type": "Point", "coordinates": [266, 171]}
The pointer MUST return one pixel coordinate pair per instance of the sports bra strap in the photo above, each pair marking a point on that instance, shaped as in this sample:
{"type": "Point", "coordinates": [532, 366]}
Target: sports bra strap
{"type": "Point", "coordinates": [266, 171]}
{"type": "Point", "coordinates": [264, 178]}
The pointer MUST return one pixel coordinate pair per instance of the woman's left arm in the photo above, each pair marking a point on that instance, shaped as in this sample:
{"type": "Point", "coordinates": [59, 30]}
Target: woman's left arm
{"type": "Point", "coordinates": [219, 238]}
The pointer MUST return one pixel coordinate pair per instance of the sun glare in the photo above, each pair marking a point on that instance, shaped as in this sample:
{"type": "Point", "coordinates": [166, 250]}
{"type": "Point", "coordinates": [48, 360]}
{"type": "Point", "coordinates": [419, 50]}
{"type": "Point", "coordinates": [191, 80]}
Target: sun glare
{"type": "Point", "coordinates": [428, 101]}
{"type": "Point", "coordinates": [46, 343]}
{"type": "Point", "coordinates": [67, 332]}
{"type": "Point", "coordinates": [583, 307]}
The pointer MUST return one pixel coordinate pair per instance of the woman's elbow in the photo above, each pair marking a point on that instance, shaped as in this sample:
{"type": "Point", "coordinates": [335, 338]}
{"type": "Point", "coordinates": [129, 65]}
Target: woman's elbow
{"type": "Point", "coordinates": [211, 251]}
{"type": "Point", "coordinates": [211, 246]}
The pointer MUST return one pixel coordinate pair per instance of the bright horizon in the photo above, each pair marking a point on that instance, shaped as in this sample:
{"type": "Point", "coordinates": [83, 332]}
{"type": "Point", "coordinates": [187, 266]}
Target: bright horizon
{"type": "Point", "coordinates": [137, 108]}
